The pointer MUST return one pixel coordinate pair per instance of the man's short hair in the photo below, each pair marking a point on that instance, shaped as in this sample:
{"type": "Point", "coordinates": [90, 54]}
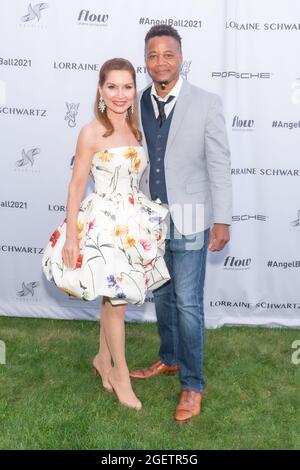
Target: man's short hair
{"type": "Point", "coordinates": [163, 30]}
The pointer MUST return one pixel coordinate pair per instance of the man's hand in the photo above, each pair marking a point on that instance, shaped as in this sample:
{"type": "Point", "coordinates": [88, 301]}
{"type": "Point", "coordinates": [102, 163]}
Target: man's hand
{"type": "Point", "coordinates": [219, 236]}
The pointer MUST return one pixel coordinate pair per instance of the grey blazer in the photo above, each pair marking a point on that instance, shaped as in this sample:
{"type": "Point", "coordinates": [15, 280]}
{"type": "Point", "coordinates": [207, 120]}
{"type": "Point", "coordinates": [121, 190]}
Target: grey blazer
{"type": "Point", "coordinates": [197, 162]}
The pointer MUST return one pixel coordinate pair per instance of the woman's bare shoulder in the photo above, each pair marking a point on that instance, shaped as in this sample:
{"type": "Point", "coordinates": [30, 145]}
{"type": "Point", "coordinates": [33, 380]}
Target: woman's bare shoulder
{"type": "Point", "coordinates": [91, 133]}
{"type": "Point", "coordinates": [92, 128]}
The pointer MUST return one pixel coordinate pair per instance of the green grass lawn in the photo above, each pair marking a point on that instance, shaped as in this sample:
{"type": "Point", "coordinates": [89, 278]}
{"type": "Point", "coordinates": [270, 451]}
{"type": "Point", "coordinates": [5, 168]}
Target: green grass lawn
{"type": "Point", "coordinates": [50, 398]}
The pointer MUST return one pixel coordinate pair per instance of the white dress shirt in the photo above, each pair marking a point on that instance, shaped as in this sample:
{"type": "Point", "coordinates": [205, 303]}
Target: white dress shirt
{"type": "Point", "coordinates": [169, 106]}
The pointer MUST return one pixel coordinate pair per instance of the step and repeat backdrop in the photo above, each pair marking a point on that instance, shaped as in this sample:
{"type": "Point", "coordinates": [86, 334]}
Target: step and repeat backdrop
{"type": "Point", "coordinates": [248, 52]}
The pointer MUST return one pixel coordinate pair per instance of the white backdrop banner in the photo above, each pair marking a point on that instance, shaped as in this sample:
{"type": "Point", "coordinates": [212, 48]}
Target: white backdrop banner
{"type": "Point", "coordinates": [248, 52]}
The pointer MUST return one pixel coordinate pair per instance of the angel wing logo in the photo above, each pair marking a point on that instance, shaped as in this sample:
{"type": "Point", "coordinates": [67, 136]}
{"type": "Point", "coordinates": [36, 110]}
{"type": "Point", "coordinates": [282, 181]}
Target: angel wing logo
{"type": "Point", "coordinates": [296, 223]}
{"type": "Point", "coordinates": [28, 157]}
{"type": "Point", "coordinates": [72, 111]}
{"type": "Point", "coordinates": [185, 68]}
{"type": "Point", "coordinates": [34, 12]}
{"type": "Point", "coordinates": [27, 289]}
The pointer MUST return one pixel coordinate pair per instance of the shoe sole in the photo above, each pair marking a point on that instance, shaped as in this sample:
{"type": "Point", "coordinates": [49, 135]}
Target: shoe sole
{"type": "Point", "coordinates": [151, 376]}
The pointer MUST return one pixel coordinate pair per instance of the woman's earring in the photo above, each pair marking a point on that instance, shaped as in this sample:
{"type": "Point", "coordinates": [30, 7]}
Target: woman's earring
{"type": "Point", "coordinates": [132, 108]}
{"type": "Point", "coordinates": [101, 105]}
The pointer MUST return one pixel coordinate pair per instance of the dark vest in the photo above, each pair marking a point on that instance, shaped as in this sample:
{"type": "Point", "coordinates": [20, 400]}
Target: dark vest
{"type": "Point", "coordinates": [156, 138]}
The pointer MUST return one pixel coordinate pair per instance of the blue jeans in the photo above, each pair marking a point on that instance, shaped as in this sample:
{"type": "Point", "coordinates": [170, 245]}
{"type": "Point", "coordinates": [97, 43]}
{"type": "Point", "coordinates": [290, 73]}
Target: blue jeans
{"type": "Point", "coordinates": [179, 309]}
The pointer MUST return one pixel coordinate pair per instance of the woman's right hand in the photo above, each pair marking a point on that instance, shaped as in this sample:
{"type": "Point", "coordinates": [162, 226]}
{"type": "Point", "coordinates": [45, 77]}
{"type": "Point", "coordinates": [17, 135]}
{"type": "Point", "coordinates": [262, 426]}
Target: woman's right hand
{"type": "Point", "coordinates": [70, 253]}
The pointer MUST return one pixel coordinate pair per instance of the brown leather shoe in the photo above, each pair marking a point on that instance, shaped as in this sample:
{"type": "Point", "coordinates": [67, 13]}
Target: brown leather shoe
{"type": "Point", "coordinates": [189, 405]}
{"type": "Point", "coordinates": [157, 368]}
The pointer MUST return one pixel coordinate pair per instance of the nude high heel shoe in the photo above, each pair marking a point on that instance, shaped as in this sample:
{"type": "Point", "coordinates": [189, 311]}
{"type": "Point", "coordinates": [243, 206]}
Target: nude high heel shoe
{"type": "Point", "coordinates": [108, 388]}
{"type": "Point", "coordinates": [138, 406]}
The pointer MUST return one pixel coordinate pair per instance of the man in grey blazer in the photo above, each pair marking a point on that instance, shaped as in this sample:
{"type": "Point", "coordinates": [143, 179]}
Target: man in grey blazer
{"type": "Point", "coordinates": [189, 170]}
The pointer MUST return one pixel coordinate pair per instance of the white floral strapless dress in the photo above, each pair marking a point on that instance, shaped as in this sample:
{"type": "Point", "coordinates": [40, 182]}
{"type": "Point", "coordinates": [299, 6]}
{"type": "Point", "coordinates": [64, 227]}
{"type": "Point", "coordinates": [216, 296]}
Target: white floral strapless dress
{"type": "Point", "coordinates": [121, 235]}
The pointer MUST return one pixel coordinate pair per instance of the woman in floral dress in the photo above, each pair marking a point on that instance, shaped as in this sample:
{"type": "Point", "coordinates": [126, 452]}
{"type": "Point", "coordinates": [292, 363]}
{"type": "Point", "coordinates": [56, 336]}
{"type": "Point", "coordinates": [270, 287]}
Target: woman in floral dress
{"type": "Point", "coordinates": [112, 243]}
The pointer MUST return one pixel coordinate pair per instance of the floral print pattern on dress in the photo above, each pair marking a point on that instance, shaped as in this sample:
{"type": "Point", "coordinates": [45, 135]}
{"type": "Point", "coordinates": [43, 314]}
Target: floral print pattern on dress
{"type": "Point", "coordinates": [120, 233]}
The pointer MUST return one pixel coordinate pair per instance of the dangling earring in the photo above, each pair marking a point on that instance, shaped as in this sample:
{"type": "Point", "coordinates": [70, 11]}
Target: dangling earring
{"type": "Point", "coordinates": [132, 108]}
{"type": "Point", "coordinates": [101, 105]}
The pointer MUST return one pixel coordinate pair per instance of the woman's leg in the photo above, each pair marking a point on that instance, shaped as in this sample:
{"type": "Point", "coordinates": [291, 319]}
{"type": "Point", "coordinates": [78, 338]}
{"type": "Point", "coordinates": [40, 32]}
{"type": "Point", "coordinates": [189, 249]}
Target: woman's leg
{"type": "Point", "coordinates": [102, 360]}
{"type": "Point", "coordinates": [114, 329]}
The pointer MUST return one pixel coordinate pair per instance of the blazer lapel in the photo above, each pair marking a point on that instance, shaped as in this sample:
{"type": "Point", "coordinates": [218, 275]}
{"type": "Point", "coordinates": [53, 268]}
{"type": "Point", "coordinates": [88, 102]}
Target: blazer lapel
{"type": "Point", "coordinates": [179, 113]}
